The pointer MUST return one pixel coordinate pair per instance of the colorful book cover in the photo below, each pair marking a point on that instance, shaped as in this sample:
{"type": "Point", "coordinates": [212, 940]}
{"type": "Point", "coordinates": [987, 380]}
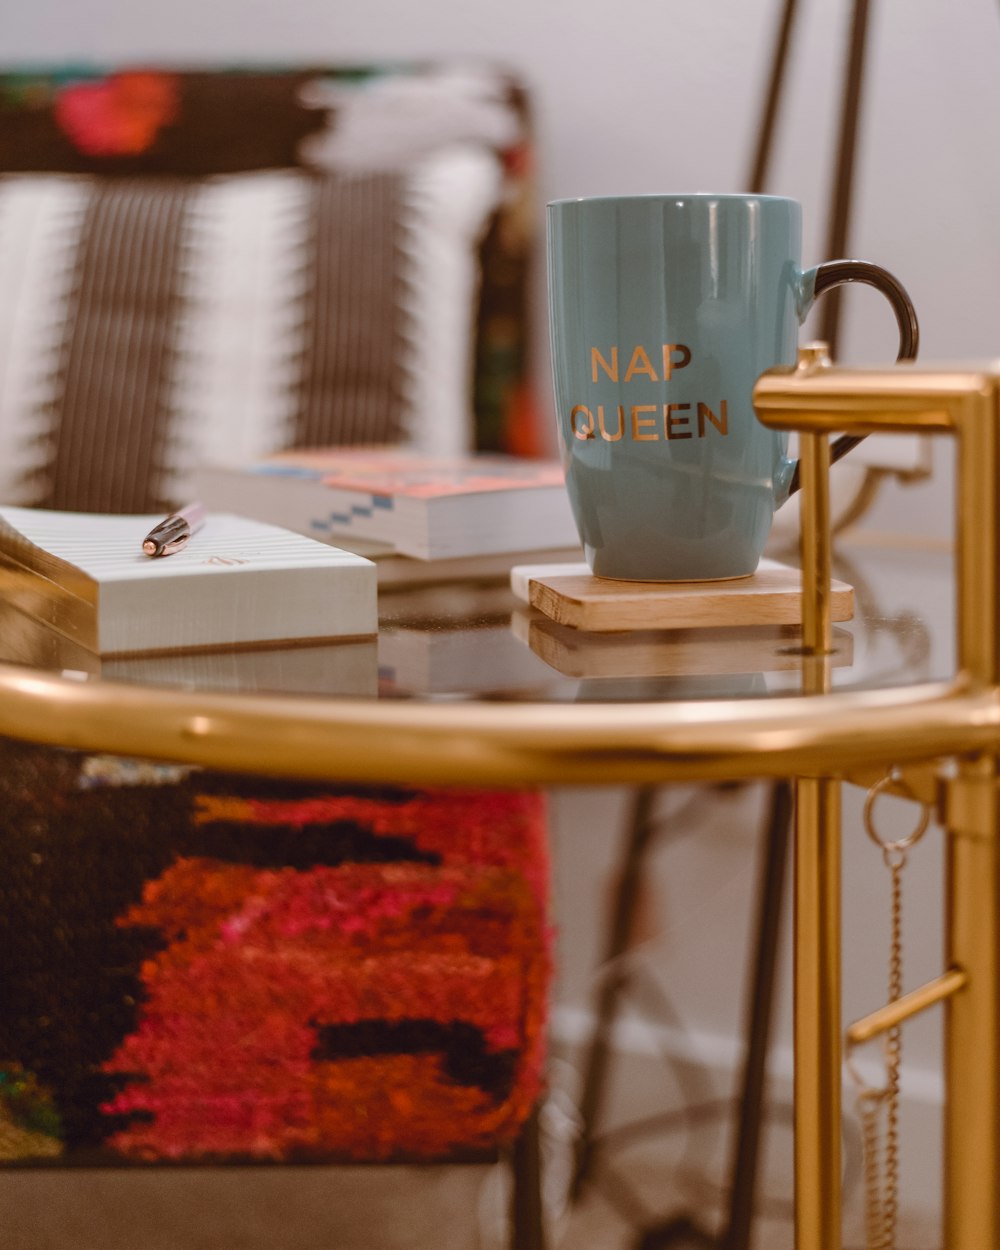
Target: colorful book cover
{"type": "Point", "coordinates": [397, 473]}
{"type": "Point", "coordinates": [425, 507]}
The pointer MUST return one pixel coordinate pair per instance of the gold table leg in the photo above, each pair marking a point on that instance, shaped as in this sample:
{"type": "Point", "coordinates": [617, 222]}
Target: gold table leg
{"type": "Point", "coordinates": [972, 1047]}
{"type": "Point", "coordinates": [817, 1015]}
{"type": "Point", "coordinates": [817, 893]}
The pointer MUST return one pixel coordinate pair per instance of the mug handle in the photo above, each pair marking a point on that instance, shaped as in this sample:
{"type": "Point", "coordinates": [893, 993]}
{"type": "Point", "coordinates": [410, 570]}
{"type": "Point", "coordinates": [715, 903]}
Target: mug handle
{"type": "Point", "coordinates": [837, 273]}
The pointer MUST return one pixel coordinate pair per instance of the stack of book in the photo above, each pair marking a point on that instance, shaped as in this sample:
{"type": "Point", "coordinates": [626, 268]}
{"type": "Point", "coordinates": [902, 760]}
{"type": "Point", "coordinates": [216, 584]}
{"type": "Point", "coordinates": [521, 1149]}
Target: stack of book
{"type": "Point", "coordinates": [417, 517]}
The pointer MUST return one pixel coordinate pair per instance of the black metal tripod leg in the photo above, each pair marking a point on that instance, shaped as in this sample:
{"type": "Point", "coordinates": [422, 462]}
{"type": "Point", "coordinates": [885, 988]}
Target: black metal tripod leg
{"type": "Point", "coordinates": [846, 159]}
{"type": "Point", "coordinates": [527, 1213]}
{"type": "Point", "coordinates": [772, 100]}
{"type": "Point", "coordinates": [612, 982]}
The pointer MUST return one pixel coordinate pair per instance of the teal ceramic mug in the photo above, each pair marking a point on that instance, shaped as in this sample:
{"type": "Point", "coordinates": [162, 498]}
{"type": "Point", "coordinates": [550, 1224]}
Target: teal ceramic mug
{"type": "Point", "coordinates": [664, 310]}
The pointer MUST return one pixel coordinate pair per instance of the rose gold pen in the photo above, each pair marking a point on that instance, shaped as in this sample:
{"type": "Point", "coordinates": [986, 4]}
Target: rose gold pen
{"type": "Point", "coordinates": [173, 531]}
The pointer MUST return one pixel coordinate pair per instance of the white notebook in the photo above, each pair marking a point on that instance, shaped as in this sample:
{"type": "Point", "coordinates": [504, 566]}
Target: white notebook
{"type": "Point", "coordinates": [236, 582]}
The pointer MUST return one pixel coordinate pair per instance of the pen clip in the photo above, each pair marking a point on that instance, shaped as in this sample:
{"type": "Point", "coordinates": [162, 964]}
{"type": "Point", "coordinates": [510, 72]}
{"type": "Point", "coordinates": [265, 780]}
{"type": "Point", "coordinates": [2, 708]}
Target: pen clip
{"type": "Point", "coordinates": [166, 538]}
{"type": "Point", "coordinates": [175, 544]}
{"type": "Point", "coordinates": [172, 533]}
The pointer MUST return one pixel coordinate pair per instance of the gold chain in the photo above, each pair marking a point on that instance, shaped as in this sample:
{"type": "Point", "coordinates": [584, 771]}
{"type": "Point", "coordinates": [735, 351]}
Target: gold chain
{"type": "Point", "coordinates": [881, 1165]}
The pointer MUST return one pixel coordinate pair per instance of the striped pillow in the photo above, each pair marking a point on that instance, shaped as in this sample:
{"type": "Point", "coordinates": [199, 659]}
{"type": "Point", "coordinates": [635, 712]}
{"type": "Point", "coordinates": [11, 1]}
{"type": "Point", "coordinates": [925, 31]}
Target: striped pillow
{"type": "Point", "coordinates": [150, 324]}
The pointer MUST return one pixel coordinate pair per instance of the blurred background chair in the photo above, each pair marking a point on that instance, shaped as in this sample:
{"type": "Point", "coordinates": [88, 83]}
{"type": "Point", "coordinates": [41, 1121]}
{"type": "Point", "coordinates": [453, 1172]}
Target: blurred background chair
{"type": "Point", "coordinates": [203, 969]}
{"type": "Point", "coordinates": [212, 265]}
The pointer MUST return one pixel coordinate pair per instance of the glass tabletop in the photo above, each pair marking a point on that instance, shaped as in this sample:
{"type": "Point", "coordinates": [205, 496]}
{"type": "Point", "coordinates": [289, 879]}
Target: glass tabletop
{"type": "Point", "coordinates": [475, 641]}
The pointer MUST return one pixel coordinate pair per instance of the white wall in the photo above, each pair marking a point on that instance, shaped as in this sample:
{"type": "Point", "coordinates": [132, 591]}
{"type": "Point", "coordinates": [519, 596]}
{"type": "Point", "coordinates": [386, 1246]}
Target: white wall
{"type": "Point", "coordinates": [636, 96]}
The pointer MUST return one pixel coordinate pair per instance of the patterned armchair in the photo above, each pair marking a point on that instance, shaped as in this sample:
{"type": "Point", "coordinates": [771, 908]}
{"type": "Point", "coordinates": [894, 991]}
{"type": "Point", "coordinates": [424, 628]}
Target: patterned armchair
{"type": "Point", "coordinates": [209, 969]}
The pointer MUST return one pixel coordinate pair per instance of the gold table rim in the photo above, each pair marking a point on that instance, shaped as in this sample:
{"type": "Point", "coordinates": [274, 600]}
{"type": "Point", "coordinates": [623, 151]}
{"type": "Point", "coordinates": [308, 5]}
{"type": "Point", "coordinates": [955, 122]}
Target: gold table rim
{"type": "Point", "coordinates": [484, 742]}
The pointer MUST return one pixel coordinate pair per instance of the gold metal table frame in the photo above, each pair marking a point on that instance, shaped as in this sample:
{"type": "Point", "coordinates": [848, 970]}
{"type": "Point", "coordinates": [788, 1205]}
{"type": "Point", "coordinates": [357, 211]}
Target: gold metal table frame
{"type": "Point", "coordinates": [944, 737]}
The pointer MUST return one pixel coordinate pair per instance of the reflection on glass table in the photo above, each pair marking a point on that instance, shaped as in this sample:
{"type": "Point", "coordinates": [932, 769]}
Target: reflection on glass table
{"type": "Point", "coordinates": [475, 640]}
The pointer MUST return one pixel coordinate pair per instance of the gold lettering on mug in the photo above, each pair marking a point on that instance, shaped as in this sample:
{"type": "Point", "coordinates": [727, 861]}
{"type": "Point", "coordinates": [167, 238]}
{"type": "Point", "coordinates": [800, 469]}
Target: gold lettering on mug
{"type": "Point", "coordinates": [611, 427]}
{"type": "Point", "coordinates": [674, 356]}
{"type": "Point", "coordinates": [640, 425]}
{"type": "Point", "coordinates": [670, 365]}
{"type": "Point", "coordinates": [721, 422]}
{"type": "Point", "coordinates": [673, 427]}
{"type": "Point", "coordinates": [597, 359]}
{"type": "Point", "coordinates": [643, 425]}
{"type": "Point", "coordinates": [587, 430]}
{"type": "Point", "coordinates": [608, 437]}
{"type": "Point", "coordinates": [640, 363]}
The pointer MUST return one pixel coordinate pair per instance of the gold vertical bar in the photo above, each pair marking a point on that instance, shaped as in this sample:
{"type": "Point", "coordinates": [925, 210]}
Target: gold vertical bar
{"type": "Point", "coordinates": [817, 897]}
{"type": "Point", "coordinates": [978, 540]}
{"type": "Point", "coordinates": [972, 1051]}
{"type": "Point", "coordinates": [817, 1014]}
{"type": "Point", "coordinates": [814, 473]}
{"type": "Point", "coordinates": [972, 1047]}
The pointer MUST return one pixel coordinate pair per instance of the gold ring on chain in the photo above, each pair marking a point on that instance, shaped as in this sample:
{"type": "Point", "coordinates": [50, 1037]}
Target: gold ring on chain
{"type": "Point", "coordinates": [898, 845]}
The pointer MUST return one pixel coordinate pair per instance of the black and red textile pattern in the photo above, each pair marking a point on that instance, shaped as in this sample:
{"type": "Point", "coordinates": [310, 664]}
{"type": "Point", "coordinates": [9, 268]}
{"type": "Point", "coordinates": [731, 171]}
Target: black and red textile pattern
{"type": "Point", "coordinates": [204, 967]}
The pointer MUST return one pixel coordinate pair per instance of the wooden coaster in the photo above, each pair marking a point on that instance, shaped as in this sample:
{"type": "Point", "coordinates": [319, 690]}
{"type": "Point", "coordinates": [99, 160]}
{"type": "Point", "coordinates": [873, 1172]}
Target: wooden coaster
{"type": "Point", "coordinates": [571, 595]}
